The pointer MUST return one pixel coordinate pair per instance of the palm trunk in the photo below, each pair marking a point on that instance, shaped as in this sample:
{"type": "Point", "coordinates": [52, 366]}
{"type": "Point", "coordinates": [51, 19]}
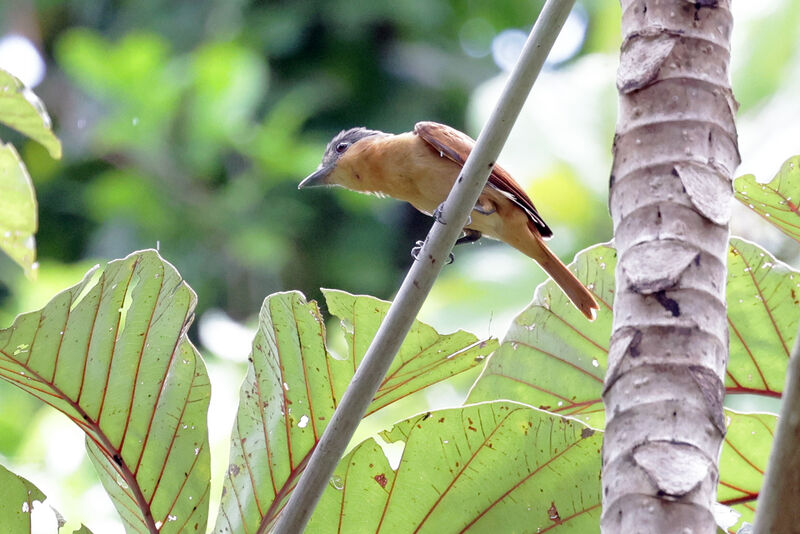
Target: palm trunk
{"type": "Point", "coordinates": [675, 150]}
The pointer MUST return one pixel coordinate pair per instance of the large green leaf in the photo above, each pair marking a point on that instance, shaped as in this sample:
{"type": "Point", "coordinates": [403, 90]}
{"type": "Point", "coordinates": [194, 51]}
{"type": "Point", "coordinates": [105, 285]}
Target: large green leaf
{"type": "Point", "coordinates": [293, 386]}
{"type": "Point", "coordinates": [426, 357]}
{"type": "Point", "coordinates": [552, 357]}
{"type": "Point", "coordinates": [489, 466]}
{"type": "Point", "coordinates": [112, 354]}
{"type": "Point", "coordinates": [17, 497]}
{"type": "Point", "coordinates": [744, 460]}
{"type": "Point", "coordinates": [763, 314]}
{"type": "Point", "coordinates": [18, 219]}
{"type": "Point", "coordinates": [556, 361]}
{"type": "Point", "coordinates": [22, 110]}
{"type": "Point", "coordinates": [776, 201]}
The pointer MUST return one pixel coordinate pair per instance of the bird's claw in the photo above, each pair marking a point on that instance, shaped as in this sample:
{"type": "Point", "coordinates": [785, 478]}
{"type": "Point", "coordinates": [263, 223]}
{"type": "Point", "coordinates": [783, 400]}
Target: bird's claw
{"type": "Point", "coordinates": [437, 213]}
{"type": "Point", "coordinates": [418, 247]}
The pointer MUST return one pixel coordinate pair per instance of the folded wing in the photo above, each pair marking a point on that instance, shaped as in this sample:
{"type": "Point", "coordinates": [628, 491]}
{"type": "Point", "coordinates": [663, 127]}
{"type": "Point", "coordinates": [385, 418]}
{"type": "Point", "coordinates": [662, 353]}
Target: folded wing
{"type": "Point", "coordinates": [456, 146]}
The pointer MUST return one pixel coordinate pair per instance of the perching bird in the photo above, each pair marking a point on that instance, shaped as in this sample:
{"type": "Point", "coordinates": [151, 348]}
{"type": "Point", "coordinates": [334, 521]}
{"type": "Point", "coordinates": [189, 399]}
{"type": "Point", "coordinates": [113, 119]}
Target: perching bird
{"type": "Point", "coordinates": [421, 167]}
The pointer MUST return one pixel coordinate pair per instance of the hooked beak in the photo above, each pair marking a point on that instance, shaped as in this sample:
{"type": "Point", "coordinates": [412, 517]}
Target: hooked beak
{"type": "Point", "coordinates": [317, 178]}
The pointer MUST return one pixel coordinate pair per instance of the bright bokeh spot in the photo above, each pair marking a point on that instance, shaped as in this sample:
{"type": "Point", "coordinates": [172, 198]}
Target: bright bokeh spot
{"type": "Point", "coordinates": [225, 337]}
{"type": "Point", "coordinates": [571, 38]}
{"type": "Point", "coordinates": [508, 44]}
{"type": "Point", "coordinates": [20, 57]}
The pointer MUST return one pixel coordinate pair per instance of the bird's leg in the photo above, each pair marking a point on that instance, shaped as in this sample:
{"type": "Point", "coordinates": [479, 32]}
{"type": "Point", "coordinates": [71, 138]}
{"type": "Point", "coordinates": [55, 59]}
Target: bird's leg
{"type": "Point", "coordinates": [484, 207]}
{"type": "Point", "coordinates": [470, 236]}
{"type": "Point", "coordinates": [418, 247]}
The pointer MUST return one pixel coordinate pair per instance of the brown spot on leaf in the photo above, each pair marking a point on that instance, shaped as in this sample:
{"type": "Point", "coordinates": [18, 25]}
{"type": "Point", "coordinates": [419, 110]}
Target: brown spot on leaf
{"type": "Point", "coordinates": [381, 479]}
{"type": "Point", "coordinates": [587, 432]}
{"type": "Point", "coordinates": [553, 513]}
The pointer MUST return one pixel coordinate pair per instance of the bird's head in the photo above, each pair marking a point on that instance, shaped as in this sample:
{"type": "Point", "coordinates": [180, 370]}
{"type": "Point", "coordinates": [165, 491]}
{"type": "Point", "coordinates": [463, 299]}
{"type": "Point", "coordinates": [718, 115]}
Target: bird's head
{"type": "Point", "coordinates": [334, 169]}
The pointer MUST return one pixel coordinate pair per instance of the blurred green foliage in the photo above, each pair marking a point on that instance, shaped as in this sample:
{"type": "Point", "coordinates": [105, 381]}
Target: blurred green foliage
{"type": "Point", "coordinates": [770, 54]}
{"type": "Point", "coordinates": [187, 125]}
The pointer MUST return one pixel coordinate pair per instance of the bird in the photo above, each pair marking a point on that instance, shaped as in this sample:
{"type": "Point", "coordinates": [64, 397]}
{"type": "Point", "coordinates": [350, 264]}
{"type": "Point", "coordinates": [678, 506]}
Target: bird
{"type": "Point", "coordinates": [421, 166]}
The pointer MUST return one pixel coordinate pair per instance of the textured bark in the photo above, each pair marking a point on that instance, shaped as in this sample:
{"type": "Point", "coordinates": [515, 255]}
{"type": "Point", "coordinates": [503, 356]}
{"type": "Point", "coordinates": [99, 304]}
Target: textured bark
{"type": "Point", "coordinates": [674, 153]}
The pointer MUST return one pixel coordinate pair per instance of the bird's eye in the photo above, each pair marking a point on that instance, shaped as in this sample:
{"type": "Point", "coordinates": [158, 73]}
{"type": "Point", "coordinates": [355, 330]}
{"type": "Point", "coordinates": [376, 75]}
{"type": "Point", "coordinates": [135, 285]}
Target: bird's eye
{"type": "Point", "coordinates": [341, 147]}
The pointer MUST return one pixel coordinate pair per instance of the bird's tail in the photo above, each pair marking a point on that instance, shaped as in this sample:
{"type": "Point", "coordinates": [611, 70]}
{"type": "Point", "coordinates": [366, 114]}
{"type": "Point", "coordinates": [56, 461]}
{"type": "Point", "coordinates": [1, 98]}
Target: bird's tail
{"type": "Point", "coordinates": [568, 282]}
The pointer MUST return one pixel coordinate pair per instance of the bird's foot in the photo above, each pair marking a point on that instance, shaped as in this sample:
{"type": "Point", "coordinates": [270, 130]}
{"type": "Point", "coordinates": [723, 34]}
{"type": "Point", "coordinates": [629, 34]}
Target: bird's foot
{"type": "Point", "coordinates": [437, 213]}
{"type": "Point", "coordinates": [418, 247]}
{"type": "Point", "coordinates": [483, 210]}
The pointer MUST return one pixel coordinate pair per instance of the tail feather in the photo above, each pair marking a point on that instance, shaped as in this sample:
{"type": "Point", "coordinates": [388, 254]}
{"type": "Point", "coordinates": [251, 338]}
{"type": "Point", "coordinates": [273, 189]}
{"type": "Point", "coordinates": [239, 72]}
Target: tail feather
{"type": "Point", "coordinates": [568, 282]}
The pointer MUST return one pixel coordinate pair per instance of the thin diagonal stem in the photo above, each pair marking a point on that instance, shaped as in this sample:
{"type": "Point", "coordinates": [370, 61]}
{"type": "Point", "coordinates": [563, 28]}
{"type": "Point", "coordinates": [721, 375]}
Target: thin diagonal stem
{"type": "Point", "coordinates": [423, 273]}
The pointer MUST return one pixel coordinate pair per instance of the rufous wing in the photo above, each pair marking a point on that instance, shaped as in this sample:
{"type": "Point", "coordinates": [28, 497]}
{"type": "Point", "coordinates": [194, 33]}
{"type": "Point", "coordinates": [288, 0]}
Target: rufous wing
{"type": "Point", "coordinates": [450, 143]}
